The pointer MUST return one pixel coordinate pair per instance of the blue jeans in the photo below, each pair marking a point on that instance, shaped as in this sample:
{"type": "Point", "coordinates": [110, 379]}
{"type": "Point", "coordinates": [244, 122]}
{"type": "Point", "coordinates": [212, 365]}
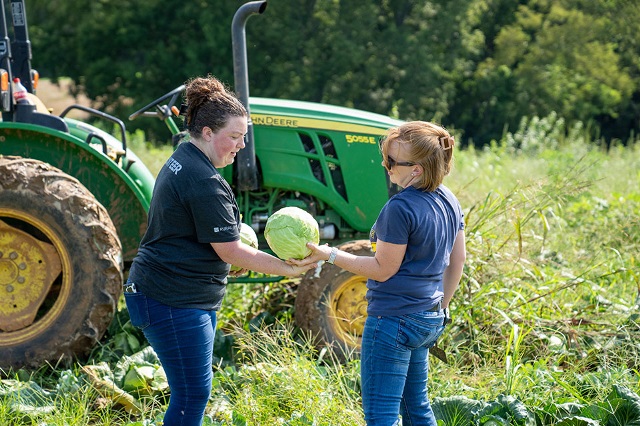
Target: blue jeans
{"type": "Point", "coordinates": [183, 341]}
{"type": "Point", "coordinates": [395, 366]}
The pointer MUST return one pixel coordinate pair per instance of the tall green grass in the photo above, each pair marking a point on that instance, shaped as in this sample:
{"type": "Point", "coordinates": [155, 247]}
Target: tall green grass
{"type": "Point", "coordinates": [283, 380]}
{"type": "Point", "coordinates": [553, 242]}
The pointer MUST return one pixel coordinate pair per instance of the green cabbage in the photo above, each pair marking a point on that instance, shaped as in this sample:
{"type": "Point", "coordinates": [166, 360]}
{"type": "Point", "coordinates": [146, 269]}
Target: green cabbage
{"type": "Point", "coordinates": [138, 377]}
{"type": "Point", "coordinates": [247, 236]}
{"type": "Point", "coordinates": [289, 230]}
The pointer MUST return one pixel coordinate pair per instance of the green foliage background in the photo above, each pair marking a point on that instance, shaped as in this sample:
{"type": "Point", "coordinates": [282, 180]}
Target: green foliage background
{"type": "Point", "coordinates": [478, 66]}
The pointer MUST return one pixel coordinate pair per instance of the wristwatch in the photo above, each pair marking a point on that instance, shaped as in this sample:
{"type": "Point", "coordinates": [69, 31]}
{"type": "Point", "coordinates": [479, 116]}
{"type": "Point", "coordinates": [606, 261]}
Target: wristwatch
{"type": "Point", "coordinates": [447, 316]}
{"type": "Point", "coordinates": [332, 256]}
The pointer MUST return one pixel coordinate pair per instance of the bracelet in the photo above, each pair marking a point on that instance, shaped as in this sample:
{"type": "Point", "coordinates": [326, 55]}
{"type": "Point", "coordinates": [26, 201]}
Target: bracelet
{"type": "Point", "coordinates": [332, 256]}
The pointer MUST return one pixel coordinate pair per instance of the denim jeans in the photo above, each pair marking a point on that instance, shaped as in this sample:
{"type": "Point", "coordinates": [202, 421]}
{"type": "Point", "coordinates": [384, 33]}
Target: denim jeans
{"type": "Point", "coordinates": [183, 341]}
{"type": "Point", "coordinates": [394, 368]}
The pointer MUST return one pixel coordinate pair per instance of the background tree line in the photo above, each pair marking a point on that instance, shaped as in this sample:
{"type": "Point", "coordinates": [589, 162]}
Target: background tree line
{"type": "Point", "coordinates": [476, 66]}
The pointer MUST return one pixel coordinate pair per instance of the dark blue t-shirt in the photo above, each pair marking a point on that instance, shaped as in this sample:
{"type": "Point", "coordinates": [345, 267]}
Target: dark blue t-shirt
{"type": "Point", "coordinates": [428, 223]}
{"type": "Point", "coordinates": [192, 206]}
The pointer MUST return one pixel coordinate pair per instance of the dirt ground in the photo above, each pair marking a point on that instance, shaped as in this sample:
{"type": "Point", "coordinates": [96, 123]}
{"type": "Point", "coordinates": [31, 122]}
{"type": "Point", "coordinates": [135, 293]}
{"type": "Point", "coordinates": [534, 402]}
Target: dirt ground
{"type": "Point", "coordinates": [56, 97]}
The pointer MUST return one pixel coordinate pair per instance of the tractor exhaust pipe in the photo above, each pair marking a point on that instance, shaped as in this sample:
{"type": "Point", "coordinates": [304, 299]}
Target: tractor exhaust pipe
{"type": "Point", "coordinates": [246, 160]}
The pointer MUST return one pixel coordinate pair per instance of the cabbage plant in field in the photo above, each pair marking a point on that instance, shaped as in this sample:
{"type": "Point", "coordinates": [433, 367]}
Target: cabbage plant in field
{"type": "Point", "coordinates": [289, 230]}
{"type": "Point", "coordinates": [247, 236]}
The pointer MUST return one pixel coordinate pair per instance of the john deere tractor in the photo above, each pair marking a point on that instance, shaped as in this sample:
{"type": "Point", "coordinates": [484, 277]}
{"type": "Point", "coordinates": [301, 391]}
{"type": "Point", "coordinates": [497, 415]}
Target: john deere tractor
{"type": "Point", "coordinates": [74, 202]}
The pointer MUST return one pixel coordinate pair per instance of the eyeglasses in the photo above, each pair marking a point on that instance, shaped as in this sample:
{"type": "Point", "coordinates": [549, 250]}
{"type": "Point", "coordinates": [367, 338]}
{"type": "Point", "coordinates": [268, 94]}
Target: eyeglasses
{"type": "Point", "coordinates": [391, 163]}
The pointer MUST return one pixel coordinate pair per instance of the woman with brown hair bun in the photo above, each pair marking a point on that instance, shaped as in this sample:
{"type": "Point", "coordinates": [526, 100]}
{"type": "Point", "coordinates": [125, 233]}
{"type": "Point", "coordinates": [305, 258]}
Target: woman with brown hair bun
{"type": "Point", "coordinates": [178, 279]}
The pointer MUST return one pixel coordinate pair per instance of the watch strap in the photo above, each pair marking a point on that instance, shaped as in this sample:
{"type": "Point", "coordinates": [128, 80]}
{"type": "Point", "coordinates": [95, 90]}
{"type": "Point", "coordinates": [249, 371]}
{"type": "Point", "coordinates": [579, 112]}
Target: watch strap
{"type": "Point", "coordinates": [332, 256]}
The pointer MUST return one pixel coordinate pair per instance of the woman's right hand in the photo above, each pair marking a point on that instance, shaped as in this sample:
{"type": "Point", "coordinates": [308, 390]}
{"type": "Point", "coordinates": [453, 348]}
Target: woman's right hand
{"type": "Point", "coordinates": [318, 253]}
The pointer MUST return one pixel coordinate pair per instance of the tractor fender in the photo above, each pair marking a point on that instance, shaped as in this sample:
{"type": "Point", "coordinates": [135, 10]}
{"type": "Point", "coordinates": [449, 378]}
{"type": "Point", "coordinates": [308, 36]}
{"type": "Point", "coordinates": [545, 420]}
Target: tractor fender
{"type": "Point", "coordinates": [126, 195]}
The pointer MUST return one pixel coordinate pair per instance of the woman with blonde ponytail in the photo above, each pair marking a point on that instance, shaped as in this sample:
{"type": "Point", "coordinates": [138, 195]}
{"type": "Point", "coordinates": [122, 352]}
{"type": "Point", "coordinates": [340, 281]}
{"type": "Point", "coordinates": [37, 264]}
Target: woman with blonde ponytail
{"type": "Point", "coordinates": [419, 245]}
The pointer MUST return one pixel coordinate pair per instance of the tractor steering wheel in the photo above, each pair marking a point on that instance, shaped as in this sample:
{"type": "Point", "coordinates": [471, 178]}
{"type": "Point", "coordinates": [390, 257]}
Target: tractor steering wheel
{"type": "Point", "coordinates": [162, 111]}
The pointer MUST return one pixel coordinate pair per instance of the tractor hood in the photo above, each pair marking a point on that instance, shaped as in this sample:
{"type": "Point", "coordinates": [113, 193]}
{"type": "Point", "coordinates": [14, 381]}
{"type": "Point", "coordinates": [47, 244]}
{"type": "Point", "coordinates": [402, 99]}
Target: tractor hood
{"type": "Point", "coordinates": [292, 114]}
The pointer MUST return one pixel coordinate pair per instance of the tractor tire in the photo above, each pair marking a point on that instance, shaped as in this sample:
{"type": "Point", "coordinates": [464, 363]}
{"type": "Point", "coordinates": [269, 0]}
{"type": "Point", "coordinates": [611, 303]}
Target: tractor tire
{"type": "Point", "coordinates": [60, 266]}
{"type": "Point", "coordinates": [331, 306]}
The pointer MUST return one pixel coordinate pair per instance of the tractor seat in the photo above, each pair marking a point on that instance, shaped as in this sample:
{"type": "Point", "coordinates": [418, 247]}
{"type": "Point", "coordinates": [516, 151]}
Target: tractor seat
{"type": "Point", "coordinates": [37, 113]}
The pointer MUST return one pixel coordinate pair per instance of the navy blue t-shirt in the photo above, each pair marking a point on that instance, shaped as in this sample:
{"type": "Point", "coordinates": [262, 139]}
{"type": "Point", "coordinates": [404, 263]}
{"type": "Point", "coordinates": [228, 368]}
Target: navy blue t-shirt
{"type": "Point", "coordinates": [192, 206]}
{"type": "Point", "coordinates": [428, 223]}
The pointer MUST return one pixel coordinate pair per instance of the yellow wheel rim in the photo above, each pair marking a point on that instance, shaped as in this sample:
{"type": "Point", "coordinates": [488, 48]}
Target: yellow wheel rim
{"type": "Point", "coordinates": [29, 300]}
{"type": "Point", "coordinates": [348, 310]}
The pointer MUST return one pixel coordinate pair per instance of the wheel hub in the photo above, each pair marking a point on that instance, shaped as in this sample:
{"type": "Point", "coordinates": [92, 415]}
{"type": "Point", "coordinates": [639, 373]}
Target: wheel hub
{"type": "Point", "coordinates": [349, 307]}
{"type": "Point", "coordinates": [9, 271]}
{"type": "Point", "coordinates": [28, 268]}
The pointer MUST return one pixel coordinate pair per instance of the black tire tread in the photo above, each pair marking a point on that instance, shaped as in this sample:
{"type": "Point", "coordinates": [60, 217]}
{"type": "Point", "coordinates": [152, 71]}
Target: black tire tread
{"type": "Point", "coordinates": [36, 180]}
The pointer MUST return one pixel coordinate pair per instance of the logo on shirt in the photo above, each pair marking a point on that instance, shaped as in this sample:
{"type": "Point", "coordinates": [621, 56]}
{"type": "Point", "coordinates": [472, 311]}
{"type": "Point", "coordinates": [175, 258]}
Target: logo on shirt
{"type": "Point", "coordinates": [226, 228]}
{"type": "Point", "coordinates": [174, 166]}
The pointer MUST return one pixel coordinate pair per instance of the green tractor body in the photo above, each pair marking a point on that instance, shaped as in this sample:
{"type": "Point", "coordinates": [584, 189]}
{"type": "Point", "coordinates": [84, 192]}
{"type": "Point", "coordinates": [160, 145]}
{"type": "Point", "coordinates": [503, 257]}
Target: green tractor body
{"type": "Point", "coordinates": [74, 202]}
{"type": "Point", "coordinates": [321, 158]}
